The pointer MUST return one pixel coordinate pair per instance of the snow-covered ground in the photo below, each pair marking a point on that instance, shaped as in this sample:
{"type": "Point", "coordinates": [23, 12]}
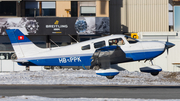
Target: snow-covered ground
{"type": "Point", "coordinates": [37, 98]}
{"type": "Point", "coordinates": [87, 77]}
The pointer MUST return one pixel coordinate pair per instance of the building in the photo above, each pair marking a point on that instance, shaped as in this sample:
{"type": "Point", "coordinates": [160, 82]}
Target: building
{"type": "Point", "coordinates": [128, 16]}
{"type": "Point", "coordinates": [125, 15]}
{"type": "Point", "coordinates": [58, 8]}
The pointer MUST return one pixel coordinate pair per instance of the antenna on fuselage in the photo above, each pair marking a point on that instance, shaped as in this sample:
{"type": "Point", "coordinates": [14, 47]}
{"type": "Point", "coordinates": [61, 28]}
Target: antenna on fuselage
{"type": "Point", "coordinates": [73, 38]}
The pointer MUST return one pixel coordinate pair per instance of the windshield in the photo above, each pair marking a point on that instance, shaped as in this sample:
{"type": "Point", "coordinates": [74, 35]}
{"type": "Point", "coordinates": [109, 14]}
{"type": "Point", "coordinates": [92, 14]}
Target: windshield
{"type": "Point", "coordinates": [131, 40]}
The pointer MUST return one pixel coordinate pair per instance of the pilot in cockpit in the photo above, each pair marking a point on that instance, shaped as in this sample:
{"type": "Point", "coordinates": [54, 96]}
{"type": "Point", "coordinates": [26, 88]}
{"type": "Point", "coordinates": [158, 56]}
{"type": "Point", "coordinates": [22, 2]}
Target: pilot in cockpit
{"type": "Point", "coordinates": [117, 42]}
{"type": "Point", "coordinates": [114, 42]}
{"type": "Point", "coordinates": [121, 42]}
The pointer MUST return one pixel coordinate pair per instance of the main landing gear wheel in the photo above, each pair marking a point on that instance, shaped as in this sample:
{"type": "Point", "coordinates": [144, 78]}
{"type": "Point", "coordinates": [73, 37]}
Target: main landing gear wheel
{"type": "Point", "coordinates": [55, 67]}
{"type": "Point", "coordinates": [110, 77]}
{"type": "Point", "coordinates": [96, 68]}
{"type": "Point", "coordinates": [154, 73]}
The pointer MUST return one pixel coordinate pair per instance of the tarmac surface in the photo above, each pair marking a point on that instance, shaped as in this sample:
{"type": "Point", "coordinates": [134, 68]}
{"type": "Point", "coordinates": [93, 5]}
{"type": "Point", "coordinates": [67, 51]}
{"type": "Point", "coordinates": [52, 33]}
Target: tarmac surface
{"type": "Point", "coordinates": [77, 91]}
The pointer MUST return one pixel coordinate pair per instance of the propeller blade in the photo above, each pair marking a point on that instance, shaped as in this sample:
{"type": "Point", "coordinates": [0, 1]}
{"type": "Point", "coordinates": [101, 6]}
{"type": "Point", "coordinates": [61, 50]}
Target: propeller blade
{"type": "Point", "coordinates": [168, 45]}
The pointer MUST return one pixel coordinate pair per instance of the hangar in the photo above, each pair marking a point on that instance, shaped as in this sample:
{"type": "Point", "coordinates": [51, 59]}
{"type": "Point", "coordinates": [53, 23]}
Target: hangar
{"type": "Point", "coordinates": [108, 16]}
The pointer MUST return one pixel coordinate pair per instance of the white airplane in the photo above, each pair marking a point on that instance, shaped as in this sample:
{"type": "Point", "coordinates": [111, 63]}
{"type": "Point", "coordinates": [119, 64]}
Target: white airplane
{"type": "Point", "coordinates": [98, 53]}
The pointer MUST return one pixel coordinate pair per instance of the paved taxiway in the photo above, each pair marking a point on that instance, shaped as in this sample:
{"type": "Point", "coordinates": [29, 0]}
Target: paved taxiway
{"type": "Point", "coordinates": [72, 91]}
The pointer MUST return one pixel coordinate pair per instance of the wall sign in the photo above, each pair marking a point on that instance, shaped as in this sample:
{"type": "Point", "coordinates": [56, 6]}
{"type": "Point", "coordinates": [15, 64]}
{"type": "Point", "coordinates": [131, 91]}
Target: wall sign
{"type": "Point", "coordinates": [57, 25]}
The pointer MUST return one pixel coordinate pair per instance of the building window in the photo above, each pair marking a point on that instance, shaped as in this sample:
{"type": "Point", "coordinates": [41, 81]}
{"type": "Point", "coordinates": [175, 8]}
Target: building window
{"type": "Point", "coordinates": [32, 9]}
{"type": "Point", "coordinates": [8, 8]}
{"type": "Point", "coordinates": [48, 9]}
{"type": "Point", "coordinates": [88, 11]}
{"type": "Point", "coordinates": [87, 8]}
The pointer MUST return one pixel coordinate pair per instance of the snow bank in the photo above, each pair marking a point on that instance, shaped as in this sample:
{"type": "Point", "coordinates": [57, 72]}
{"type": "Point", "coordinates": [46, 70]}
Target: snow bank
{"type": "Point", "coordinates": [37, 98]}
{"type": "Point", "coordinates": [88, 77]}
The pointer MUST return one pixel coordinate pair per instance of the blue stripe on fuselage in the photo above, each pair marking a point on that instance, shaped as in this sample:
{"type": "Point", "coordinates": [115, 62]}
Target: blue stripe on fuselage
{"type": "Point", "coordinates": [64, 61]}
{"type": "Point", "coordinates": [86, 60]}
{"type": "Point", "coordinates": [153, 54]}
{"type": "Point", "coordinates": [143, 55]}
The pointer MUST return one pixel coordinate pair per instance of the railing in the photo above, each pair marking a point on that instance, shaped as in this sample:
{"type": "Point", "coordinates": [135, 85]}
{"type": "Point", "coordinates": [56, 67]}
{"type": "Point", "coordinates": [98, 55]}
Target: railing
{"type": "Point", "coordinates": [10, 65]}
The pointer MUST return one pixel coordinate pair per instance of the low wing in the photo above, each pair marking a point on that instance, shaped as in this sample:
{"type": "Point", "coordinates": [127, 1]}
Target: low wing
{"type": "Point", "coordinates": [108, 55]}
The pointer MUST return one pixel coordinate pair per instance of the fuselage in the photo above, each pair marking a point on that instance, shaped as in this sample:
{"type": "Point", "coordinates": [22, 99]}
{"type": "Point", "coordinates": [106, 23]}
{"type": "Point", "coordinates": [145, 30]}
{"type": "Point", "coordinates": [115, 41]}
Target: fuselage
{"type": "Point", "coordinates": [80, 54]}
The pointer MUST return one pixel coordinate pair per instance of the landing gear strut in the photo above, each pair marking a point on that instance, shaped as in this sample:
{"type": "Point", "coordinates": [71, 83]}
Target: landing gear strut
{"type": "Point", "coordinates": [153, 69]}
{"type": "Point", "coordinates": [154, 73]}
{"type": "Point", "coordinates": [27, 68]}
{"type": "Point", "coordinates": [151, 62]}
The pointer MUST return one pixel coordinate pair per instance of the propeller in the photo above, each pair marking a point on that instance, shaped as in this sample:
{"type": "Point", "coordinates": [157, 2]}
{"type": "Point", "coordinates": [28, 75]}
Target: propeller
{"type": "Point", "coordinates": [168, 45]}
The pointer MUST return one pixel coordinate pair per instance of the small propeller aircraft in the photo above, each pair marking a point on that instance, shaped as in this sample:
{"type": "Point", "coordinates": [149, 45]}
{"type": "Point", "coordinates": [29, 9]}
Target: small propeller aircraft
{"type": "Point", "coordinates": [98, 53]}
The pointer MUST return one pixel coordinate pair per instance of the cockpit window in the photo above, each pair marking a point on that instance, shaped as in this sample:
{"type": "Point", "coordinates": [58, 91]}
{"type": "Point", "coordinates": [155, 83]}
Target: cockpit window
{"type": "Point", "coordinates": [131, 40]}
{"type": "Point", "coordinates": [87, 47]}
{"type": "Point", "coordinates": [117, 41]}
{"type": "Point", "coordinates": [99, 44]}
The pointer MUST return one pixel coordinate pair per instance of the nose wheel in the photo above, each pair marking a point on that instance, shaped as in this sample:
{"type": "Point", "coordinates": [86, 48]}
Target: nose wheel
{"type": "Point", "coordinates": [110, 77]}
{"type": "Point", "coordinates": [153, 69]}
{"type": "Point", "coordinates": [154, 73]}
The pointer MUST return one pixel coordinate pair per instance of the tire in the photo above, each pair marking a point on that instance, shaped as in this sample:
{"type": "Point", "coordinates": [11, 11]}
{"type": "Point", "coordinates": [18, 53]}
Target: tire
{"type": "Point", "coordinates": [55, 67]}
{"type": "Point", "coordinates": [13, 56]}
{"type": "Point", "coordinates": [52, 67]}
{"type": "Point", "coordinates": [154, 73]}
{"type": "Point", "coordinates": [110, 77]}
{"type": "Point", "coordinates": [96, 68]}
